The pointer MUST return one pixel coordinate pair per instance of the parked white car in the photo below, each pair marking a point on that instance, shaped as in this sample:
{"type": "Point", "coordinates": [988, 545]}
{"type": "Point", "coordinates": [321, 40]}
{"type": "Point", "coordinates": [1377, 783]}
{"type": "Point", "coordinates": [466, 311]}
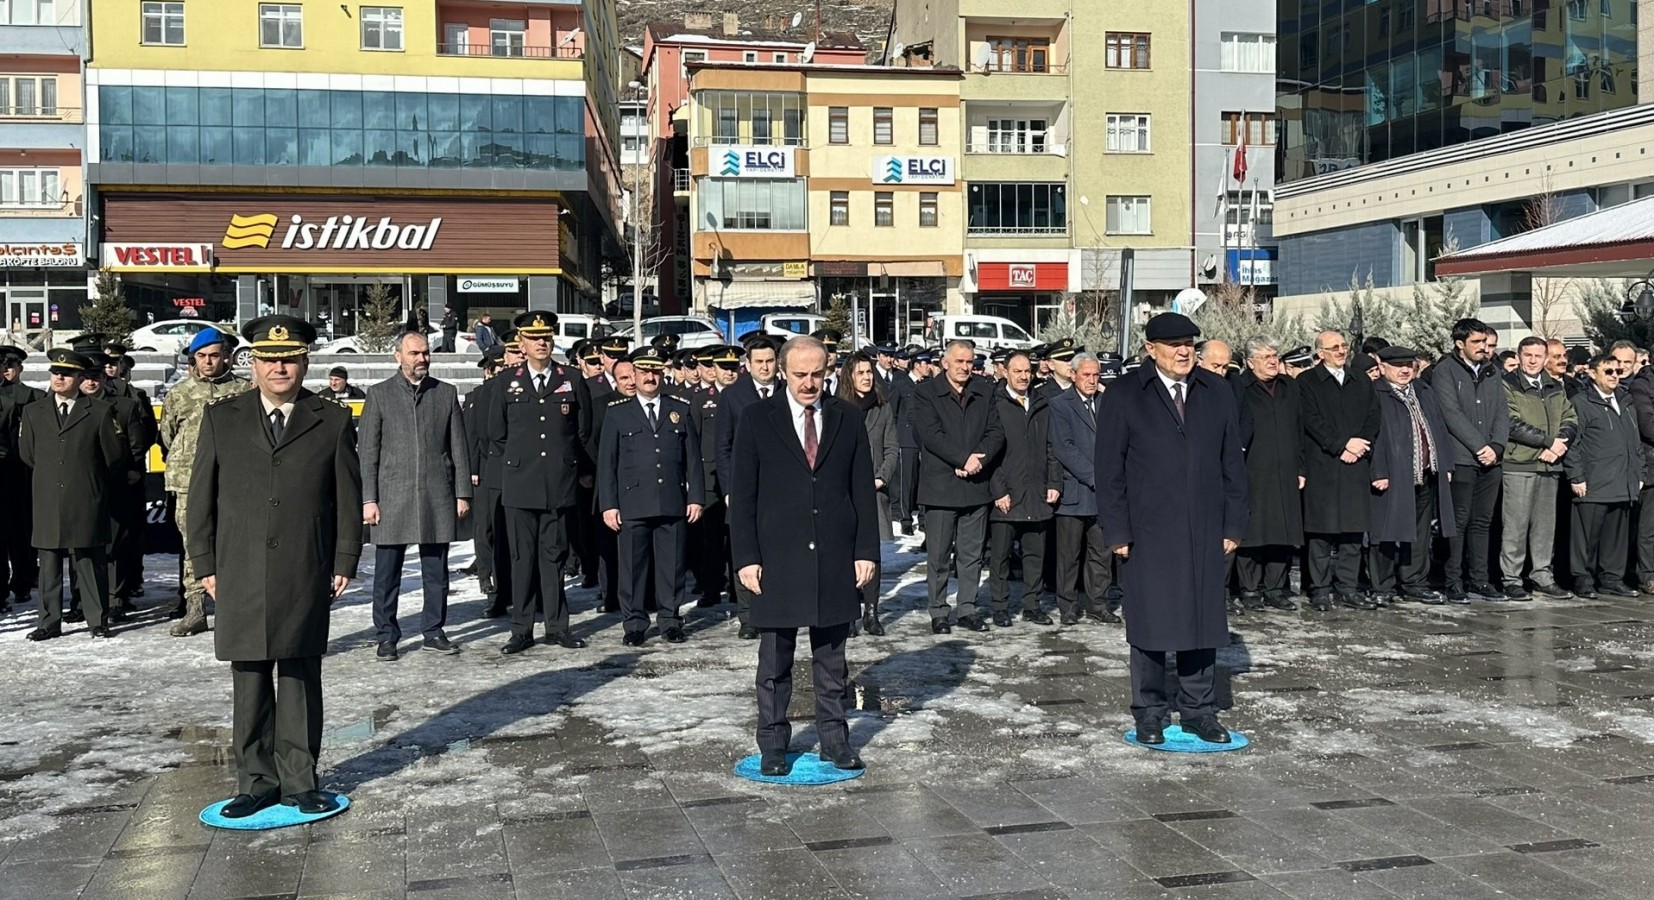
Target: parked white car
{"type": "Point", "coordinates": [466, 343]}
{"type": "Point", "coordinates": [170, 335]}
{"type": "Point", "coordinates": [692, 331]}
{"type": "Point", "coordinates": [791, 325]}
{"type": "Point", "coordinates": [987, 332]}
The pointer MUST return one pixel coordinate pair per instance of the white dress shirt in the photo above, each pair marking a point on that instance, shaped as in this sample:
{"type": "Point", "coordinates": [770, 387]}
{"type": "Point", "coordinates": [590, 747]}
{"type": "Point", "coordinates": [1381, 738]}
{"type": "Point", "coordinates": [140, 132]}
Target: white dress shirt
{"type": "Point", "coordinates": [797, 413]}
{"type": "Point", "coordinates": [1168, 381]}
{"type": "Point", "coordinates": [650, 404]}
{"type": "Point", "coordinates": [1612, 400]}
{"type": "Point", "coordinates": [1336, 373]}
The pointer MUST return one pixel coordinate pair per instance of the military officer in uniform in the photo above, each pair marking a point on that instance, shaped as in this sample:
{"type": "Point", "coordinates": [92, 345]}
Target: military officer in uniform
{"type": "Point", "coordinates": [17, 556]}
{"type": "Point", "coordinates": [126, 489]}
{"type": "Point", "coordinates": [651, 486]}
{"type": "Point", "coordinates": [539, 421]}
{"type": "Point", "coordinates": [485, 472]}
{"type": "Point", "coordinates": [709, 538]}
{"type": "Point", "coordinates": [275, 532]}
{"type": "Point", "coordinates": [75, 448]}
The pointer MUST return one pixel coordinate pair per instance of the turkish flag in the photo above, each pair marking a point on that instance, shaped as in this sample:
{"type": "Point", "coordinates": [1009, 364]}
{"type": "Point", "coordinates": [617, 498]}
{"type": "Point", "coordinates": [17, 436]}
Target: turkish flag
{"type": "Point", "coordinates": [1240, 154]}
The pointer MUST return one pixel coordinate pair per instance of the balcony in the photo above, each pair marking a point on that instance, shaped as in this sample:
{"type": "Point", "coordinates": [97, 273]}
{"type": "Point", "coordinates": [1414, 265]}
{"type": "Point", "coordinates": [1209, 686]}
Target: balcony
{"type": "Point", "coordinates": [69, 208]}
{"type": "Point", "coordinates": [1017, 230]}
{"type": "Point", "coordinates": [41, 114]}
{"type": "Point", "coordinates": [1018, 145]}
{"type": "Point", "coordinates": [511, 51]}
{"type": "Point", "coordinates": [680, 182]}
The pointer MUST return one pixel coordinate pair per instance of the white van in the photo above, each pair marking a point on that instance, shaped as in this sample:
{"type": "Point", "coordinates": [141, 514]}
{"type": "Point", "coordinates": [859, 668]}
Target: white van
{"type": "Point", "coordinates": [790, 325]}
{"type": "Point", "coordinates": [987, 332]}
{"type": "Point", "coordinates": [575, 327]}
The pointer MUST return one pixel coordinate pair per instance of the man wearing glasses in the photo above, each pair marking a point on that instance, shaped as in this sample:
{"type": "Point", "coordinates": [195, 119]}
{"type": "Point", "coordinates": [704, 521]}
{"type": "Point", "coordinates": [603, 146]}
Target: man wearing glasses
{"type": "Point", "coordinates": [1340, 416]}
{"type": "Point", "coordinates": [1604, 470]}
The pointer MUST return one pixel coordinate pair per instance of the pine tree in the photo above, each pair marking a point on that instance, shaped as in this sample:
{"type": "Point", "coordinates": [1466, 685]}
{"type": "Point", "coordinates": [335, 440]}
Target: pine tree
{"type": "Point", "coordinates": [380, 320]}
{"type": "Point", "coordinates": [1601, 308]}
{"type": "Point", "coordinates": [108, 313]}
{"type": "Point", "coordinates": [838, 317]}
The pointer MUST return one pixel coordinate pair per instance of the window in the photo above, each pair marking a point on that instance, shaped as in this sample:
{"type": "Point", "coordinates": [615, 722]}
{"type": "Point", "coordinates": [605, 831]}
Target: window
{"type": "Point", "coordinates": [884, 125]}
{"type": "Point", "coordinates": [927, 209]}
{"type": "Point", "coordinates": [281, 25]}
{"type": "Point", "coordinates": [1128, 215]}
{"type": "Point", "coordinates": [1019, 54]}
{"type": "Point", "coordinates": [928, 131]}
{"type": "Point", "coordinates": [1128, 51]}
{"type": "Point", "coordinates": [1015, 136]}
{"type": "Point", "coordinates": [755, 204]}
{"type": "Point", "coordinates": [1018, 208]}
{"type": "Point", "coordinates": [690, 56]}
{"type": "Point", "coordinates": [769, 118]}
{"type": "Point", "coordinates": [30, 188]}
{"type": "Point", "coordinates": [750, 56]}
{"type": "Point", "coordinates": [1128, 134]}
{"type": "Point", "coordinates": [1260, 128]}
{"type": "Point", "coordinates": [631, 143]}
{"type": "Point", "coordinates": [779, 58]}
{"type": "Point", "coordinates": [884, 209]}
{"type": "Point", "coordinates": [1248, 52]}
{"type": "Point", "coordinates": [1576, 10]}
{"type": "Point", "coordinates": [839, 208]}
{"type": "Point", "coordinates": [164, 24]}
{"type": "Point", "coordinates": [508, 37]}
{"type": "Point", "coordinates": [28, 12]}
{"type": "Point", "coordinates": [28, 95]}
{"type": "Point", "coordinates": [838, 125]}
{"type": "Point", "coordinates": [381, 28]}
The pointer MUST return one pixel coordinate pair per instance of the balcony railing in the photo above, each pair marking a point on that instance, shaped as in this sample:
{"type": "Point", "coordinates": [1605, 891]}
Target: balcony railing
{"type": "Point", "coordinates": [511, 51]}
{"type": "Point", "coordinates": [680, 181]}
{"type": "Point", "coordinates": [1016, 230]}
{"type": "Point", "coordinates": [774, 140]}
{"type": "Point", "coordinates": [40, 113]}
{"type": "Point", "coordinates": [1000, 67]}
{"type": "Point", "coordinates": [68, 207]}
{"type": "Point", "coordinates": [1013, 146]}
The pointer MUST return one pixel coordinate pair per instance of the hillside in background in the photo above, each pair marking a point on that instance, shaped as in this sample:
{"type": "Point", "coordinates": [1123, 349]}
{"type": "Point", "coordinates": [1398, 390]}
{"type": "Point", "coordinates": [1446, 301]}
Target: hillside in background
{"type": "Point", "coordinates": [867, 19]}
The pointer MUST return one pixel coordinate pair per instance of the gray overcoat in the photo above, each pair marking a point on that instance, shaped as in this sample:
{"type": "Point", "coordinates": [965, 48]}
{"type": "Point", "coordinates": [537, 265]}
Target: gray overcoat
{"type": "Point", "coordinates": [416, 460]}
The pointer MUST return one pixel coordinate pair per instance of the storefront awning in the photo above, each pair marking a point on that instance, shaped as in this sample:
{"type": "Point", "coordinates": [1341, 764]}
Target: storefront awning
{"type": "Point", "coordinates": [742, 294]}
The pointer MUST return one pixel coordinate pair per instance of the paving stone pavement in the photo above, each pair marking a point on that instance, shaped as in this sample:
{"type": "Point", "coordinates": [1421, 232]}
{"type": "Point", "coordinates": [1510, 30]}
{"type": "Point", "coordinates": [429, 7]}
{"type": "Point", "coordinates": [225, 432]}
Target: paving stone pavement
{"type": "Point", "coordinates": [1495, 750]}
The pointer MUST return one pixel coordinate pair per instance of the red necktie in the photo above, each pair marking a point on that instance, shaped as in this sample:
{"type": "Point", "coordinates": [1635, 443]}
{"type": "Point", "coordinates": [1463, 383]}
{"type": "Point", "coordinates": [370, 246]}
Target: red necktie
{"type": "Point", "coordinates": [810, 442]}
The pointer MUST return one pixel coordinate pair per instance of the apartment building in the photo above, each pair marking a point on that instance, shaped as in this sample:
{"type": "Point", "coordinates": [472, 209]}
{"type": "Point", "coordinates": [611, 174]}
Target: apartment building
{"type": "Point", "coordinates": [248, 157]}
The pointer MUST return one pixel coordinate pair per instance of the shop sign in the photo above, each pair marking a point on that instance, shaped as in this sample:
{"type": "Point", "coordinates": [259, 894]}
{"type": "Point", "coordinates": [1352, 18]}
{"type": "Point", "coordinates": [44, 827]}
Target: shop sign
{"type": "Point", "coordinates": [488, 285]}
{"type": "Point", "coordinates": [157, 256]}
{"type": "Point", "coordinates": [66, 255]}
{"type": "Point", "coordinates": [1022, 276]}
{"type": "Point", "coordinates": [189, 302]}
{"type": "Point", "coordinates": [1252, 266]}
{"type": "Point", "coordinates": [913, 169]}
{"type": "Point", "coordinates": [753, 162]}
{"type": "Point", "coordinates": [335, 233]}
{"type": "Point", "coordinates": [795, 270]}
{"type": "Point", "coordinates": [841, 268]}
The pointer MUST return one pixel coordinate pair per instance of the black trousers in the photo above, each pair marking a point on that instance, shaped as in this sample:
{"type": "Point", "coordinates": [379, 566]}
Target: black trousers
{"type": "Point", "coordinates": [776, 647]}
{"type": "Point", "coordinates": [16, 526]}
{"type": "Point", "coordinates": [1265, 569]}
{"type": "Point", "coordinates": [955, 534]}
{"type": "Point", "coordinates": [1329, 572]}
{"type": "Point", "coordinates": [583, 529]}
{"type": "Point", "coordinates": [904, 500]}
{"type": "Point", "coordinates": [387, 589]}
{"type": "Point", "coordinates": [608, 560]}
{"type": "Point", "coordinates": [88, 571]}
{"type": "Point", "coordinates": [1475, 500]}
{"type": "Point", "coordinates": [1196, 684]}
{"type": "Point", "coordinates": [1598, 537]}
{"type": "Point", "coordinates": [709, 552]}
{"type": "Point", "coordinates": [277, 732]}
{"type": "Point", "coordinates": [656, 542]}
{"type": "Point", "coordinates": [1081, 552]}
{"type": "Point", "coordinates": [1033, 537]}
{"type": "Point", "coordinates": [1645, 536]}
{"type": "Point", "coordinates": [488, 521]}
{"type": "Point", "coordinates": [539, 547]}
{"type": "Point", "coordinates": [1398, 566]}
{"type": "Point", "coordinates": [127, 553]}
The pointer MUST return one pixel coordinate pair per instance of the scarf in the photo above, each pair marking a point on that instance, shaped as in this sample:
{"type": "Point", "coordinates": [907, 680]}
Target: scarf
{"type": "Point", "coordinates": [868, 400]}
{"type": "Point", "coordinates": [1424, 443]}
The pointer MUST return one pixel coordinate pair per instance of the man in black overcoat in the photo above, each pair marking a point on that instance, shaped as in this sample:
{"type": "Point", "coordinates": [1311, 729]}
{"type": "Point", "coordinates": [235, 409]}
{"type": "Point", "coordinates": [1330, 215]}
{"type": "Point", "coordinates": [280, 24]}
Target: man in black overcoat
{"type": "Point", "coordinates": [126, 507]}
{"type": "Point", "coordinates": [1341, 421]}
{"type": "Point", "coordinates": [492, 557]}
{"type": "Point", "coordinates": [961, 440]}
{"type": "Point", "coordinates": [19, 566]}
{"type": "Point", "coordinates": [1272, 435]}
{"type": "Point", "coordinates": [1026, 485]}
{"type": "Point", "coordinates": [275, 533]}
{"type": "Point", "coordinates": [904, 378]}
{"type": "Point", "coordinates": [1171, 497]}
{"type": "Point", "coordinates": [540, 423]}
{"type": "Point", "coordinates": [75, 450]}
{"type": "Point", "coordinates": [759, 384]}
{"type": "Point", "coordinates": [804, 530]}
{"type": "Point", "coordinates": [1412, 467]}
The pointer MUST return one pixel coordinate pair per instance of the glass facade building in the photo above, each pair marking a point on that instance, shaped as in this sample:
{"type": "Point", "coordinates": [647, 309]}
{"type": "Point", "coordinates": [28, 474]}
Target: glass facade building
{"type": "Point", "coordinates": [1363, 81]}
{"type": "Point", "coordinates": [282, 127]}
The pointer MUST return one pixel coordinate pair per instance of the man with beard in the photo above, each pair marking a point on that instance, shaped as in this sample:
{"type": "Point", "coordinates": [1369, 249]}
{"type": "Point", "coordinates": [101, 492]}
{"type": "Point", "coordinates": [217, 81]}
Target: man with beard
{"type": "Point", "coordinates": [1025, 485]}
{"type": "Point", "coordinates": [1340, 417]}
{"type": "Point", "coordinates": [1272, 438]}
{"type": "Point", "coordinates": [1470, 388]}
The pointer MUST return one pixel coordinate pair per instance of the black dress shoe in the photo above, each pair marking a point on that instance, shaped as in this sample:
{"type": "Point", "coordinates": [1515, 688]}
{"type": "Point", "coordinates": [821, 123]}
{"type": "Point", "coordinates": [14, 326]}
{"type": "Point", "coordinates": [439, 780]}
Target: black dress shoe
{"type": "Point", "coordinates": [940, 626]}
{"type": "Point", "coordinates": [748, 633]}
{"type": "Point", "coordinates": [439, 643]}
{"type": "Point", "coordinates": [245, 805]}
{"type": "Point", "coordinates": [1489, 592]}
{"type": "Point", "coordinates": [387, 651]}
{"type": "Point", "coordinates": [1104, 617]}
{"type": "Point", "coordinates": [1320, 602]}
{"type": "Point", "coordinates": [775, 765]}
{"type": "Point", "coordinates": [632, 639]}
{"type": "Point", "coordinates": [566, 639]}
{"type": "Point", "coordinates": [1253, 602]}
{"type": "Point", "coordinates": [1357, 601]}
{"type": "Point", "coordinates": [1035, 616]}
{"type": "Point", "coordinates": [45, 634]}
{"type": "Point", "coordinates": [517, 644]}
{"type": "Point", "coordinates": [907, 529]}
{"type": "Point", "coordinates": [1003, 620]}
{"type": "Point", "coordinates": [1233, 607]}
{"type": "Point", "coordinates": [972, 623]}
{"type": "Point", "coordinates": [74, 615]}
{"type": "Point", "coordinates": [311, 803]}
{"type": "Point", "coordinates": [1208, 729]}
{"type": "Point", "coordinates": [1151, 733]}
{"type": "Point", "coordinates": [1585, 593]}
{"type": "Point", "coordinates": [1615, 590]}
{"type": "Point", "coordinates": [1553, 590]}
{"type": "Point", "coordinates": [1517, 592]}
{"type": "Point", "coordinates": [116, 617]}
{"type": "Point", "coordinates": [842, 758]}
{"type": "Point", "coordinates": [1068, 618]}
{"type": "Point", "coordinates": [1279, 601]}
{"type": "Point", "coordinates": [101, 631]}
{"type": "Point", "coordinates": [674, 635]}
{"type": "Point", "coordinates": [1457, 596]}
{"type": "Point", "coordinates": [872, 626]}
{"type": "Point", "coordinates": [1425, 596]}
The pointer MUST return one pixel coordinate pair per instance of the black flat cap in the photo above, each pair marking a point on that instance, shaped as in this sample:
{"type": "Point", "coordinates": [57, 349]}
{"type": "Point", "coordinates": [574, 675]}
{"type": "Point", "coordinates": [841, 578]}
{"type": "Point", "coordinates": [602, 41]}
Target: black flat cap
{"type": "Point", "coordinates": [1170, 327]}
{"type": "Point", "coordinates": [1398, 355]}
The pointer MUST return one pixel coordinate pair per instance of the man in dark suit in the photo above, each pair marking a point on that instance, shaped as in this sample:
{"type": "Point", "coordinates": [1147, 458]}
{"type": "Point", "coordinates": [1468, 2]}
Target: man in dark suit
{"type": "Point", "coordinates": [1341, 417]}
{"type": "Point", "coordinates": [1171, 496]}
{"type": "Point", "coordinates": [805, 534]}
{"type": "Point", "coordinates": [126, 498]}
{"type": "Point", "coordinates": [904, 495]}
{"type": "Point", "coordinates": [1081, 551]}
{"type": "Point", "coordinates": [759, 384]}
{"type": "Point", "coordinates": [540, 422]}
{"type": "Point", "coordinates": [1272, 435]}
{"type": "Point", "coordinates": [1025, 486]}
{"type": "Point", "coordinates": [650, 486]}
{"type": "Point", "coordinates": [75, 449]}
{"type": "Point", "coordinates": [961, 439]}
{"type": "Point", "coordinates": [709, 537]}
{"type": "Point", "coordinates": [20, 565]}
{"type": "Point", "coordinates": [275, 532]}
{"type": "Point", "coordinates": [492, 562]}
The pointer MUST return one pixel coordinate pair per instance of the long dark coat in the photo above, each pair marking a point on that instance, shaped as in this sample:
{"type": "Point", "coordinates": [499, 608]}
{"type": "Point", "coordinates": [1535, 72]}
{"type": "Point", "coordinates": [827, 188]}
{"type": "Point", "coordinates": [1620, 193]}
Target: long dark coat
{"type": "Point", "coordinates": [79, 472]}
{"type": "Point", "coordinates": [545, 439]}
{"type": "Point", "coordinates": [880, 422]}
{"type": "Point", "coordinates": [1336, 493]}
{"type": "Point", "coordinates": [1394, 511]}
{"type": "Point", "coordinates": [1272, 435]}
{"type": "Point", "coordinates": [275, 523]}
{"type": "Point", "coordinates": [949, 434]}
{"type": "Point", "coordinates": [1172, 491]}
{"type": "Point", "coordinates": [416, 460]}
{"type": "Point", "coordinates": [900, 394]}
{"type": "Point", "coordinates": [1028, 468]}
{"type": "Point", "coordinates": [805, 528]}
{"type": "Point", "coordinates": [1074, 445]}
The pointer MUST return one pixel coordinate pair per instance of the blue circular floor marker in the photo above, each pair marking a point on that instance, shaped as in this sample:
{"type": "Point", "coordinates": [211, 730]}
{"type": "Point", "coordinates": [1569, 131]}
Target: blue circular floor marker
{"type": "Point", "coordinates": [1180, 741]}
{"type": "Point", "coordinates": [808, 768]}
{"type": "Point", "coordinates": [278, 816]}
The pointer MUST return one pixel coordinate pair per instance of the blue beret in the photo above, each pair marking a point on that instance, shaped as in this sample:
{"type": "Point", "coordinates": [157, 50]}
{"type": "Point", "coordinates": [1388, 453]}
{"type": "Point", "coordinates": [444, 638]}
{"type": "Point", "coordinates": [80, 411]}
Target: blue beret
{"type": "Point", "coordinates": [204, 339]}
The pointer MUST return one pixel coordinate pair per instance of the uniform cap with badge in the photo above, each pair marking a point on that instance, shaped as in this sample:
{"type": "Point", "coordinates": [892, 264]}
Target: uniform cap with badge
{"type": "Point", "coordinates": [508, 339]}
{"type": "Point", "coordinates": [727, 357]}
{"type": "Point", "coordinates": [279, 337]}
{"type": "Point", "coordinates": [616, 346]}
{"type": "Point", "coordinates": [536, 324]}
{"type": "Point", "coordinates": [667, 342]}
{"type": "Point", "coordinates": [648, 359]}
{"type": "Point", "coordinates": [12, 355]}
{"type": "Point", "coordinates": [1063, 349]}
{"type": "Point", "coordinates": [829, 337]}
{"type": "Point", "coordinates": [68, 362]}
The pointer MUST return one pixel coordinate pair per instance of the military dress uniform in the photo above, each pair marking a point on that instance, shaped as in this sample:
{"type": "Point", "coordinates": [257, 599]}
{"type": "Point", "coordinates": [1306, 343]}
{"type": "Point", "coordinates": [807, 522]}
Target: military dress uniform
{"type": "Point", "coordinates": [709, 535]}
{"type": "Point", "coordinates": [126, 507]}
{"type": "Point", "coordinates": [19, 567]}
{"type": "Point", "coordinates": [650, 471]}
{"type": "Point", "coordinates": [488, 519]}
{"type": "Point", "coordinates": [540, 424]}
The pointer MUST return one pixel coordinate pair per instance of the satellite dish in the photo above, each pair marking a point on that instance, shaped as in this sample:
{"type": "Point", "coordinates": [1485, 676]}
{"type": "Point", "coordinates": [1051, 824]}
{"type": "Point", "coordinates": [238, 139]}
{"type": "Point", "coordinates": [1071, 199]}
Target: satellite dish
{"type": "Point", "coordinates": [896, 51]}
{"type": "Point", "coordinates": [809, 52]}
{"type": "Point", "coordinates": [1188, 301]}
{"type": "Point", "coordinates": [1210, 263]}
{"type": "Point", "coordinates": [983, 55]}
{"type": "Point", "coordinates": [797, 18]}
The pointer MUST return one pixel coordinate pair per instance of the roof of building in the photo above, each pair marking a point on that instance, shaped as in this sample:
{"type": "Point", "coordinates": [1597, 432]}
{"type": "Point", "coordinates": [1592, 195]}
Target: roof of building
{"type": "Point", "coordinates": [678, 33]}
{"type": "Point", "coordinates": [1611, 242]}
{"type": "Point", "coordinates": [833, 69]}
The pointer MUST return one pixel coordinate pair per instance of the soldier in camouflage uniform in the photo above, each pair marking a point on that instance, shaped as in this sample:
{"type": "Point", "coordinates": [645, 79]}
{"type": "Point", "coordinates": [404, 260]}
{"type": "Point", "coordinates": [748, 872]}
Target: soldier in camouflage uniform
{"type": "Point", "coordinates": [210, 378]}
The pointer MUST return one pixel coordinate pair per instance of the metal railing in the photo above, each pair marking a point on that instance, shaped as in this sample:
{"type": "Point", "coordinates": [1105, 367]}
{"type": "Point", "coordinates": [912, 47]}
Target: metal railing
{"type": "Point", "coordinates": [1011, 68]}
{"type": "Point", "coordinates": [39, 113]}
{"type": "Point", "coordinates": [1022, 147]}
{"type": "Point", "coordinates": [511, 51]}
{"type": "Point", "coordinates": [1017, 230]}
{"type": "Point", "coordinates": [680, 181]}
{"type": "Point", "coordinates": [704, 140]}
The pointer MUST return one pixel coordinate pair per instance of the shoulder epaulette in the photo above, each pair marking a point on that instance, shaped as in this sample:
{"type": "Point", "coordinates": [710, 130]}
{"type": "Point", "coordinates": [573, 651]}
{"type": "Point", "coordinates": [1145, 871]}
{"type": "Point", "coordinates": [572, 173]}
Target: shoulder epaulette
{"type": "Point", "coordinates": [621, 401]}
{"type": "Point", "coordinates": [677, 399]}
{"type": "Point", "coordinates": [217, 400]}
